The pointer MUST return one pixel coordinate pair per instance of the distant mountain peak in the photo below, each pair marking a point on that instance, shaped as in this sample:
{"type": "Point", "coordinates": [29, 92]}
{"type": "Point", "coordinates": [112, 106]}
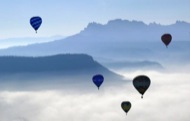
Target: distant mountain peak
{"type": "Point", "coordinates": [126, 23]}
{"type": "Point", "coordinates": [99, 38]}
{"type": "Point", "coordinates": [179, 21]}
{"type": "Point", "coordinates": [120, 22]}
{"type": "Point", "coordinates": [115, 22]}
{"type": "Point", "coordinates": [117, 25]}
{"type": "Point", "coordinates": [92, 24]}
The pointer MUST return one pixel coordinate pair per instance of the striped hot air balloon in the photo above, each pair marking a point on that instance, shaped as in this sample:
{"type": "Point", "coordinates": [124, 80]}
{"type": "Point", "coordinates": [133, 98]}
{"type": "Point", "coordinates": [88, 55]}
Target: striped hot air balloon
{"type": "Point", "coordinates": [35, 22]}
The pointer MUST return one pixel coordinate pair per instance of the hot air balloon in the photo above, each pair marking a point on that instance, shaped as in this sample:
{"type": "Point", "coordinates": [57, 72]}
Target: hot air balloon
{"type": "Point", "coordinates": [35, 22]}
{"type": "Point", "coordinates": [141, 83]}
{"type": "Point", "coordinates": [98, 80]}
{"type": "Point", "coordinates": [126, 106]}
{"type": "Point", "coordinates": [166, 39]}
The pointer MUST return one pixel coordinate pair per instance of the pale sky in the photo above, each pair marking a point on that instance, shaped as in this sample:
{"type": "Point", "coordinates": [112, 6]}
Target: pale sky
{"type": "Point", "coordinates": [68, 17]}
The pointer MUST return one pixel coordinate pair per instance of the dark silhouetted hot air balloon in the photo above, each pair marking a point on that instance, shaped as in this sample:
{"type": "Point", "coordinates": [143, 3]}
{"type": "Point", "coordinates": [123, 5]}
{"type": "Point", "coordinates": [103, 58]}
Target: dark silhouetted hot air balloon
{"type": "Point", "coordinates": [141, 83]}
{"type": "Point", "coordinates": [35, 22]}
{"type": "Point", "coordinates": [166, 39]}
{"type": "Point", "coordinates": [98, 80]}
{"type": "Point", "coordinates": [126, 106]}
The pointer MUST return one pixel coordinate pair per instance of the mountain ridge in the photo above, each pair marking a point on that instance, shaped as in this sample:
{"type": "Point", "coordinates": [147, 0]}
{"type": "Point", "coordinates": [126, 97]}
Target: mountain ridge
{"type": "Point", "coordinates": [140, 41]}
{"type": "Point", "coordinates": [59, 62]}
{"type": "Point", "coordinates": [132, 28]}
{"type": "Point", "coordinates": [53, 72]}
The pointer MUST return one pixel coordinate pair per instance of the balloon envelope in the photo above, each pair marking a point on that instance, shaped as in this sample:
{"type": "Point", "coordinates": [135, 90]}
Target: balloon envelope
{"type": "Point", "coordinates": [166, 39]}
{"type": "Point", "coordinates": [36, 22]}
{"type": "Point", "coordinates": [141, 83]}
{"type": "Point", "coordinates": [98, 80]}
{"type": "Point", "coordinates": [126, 106]}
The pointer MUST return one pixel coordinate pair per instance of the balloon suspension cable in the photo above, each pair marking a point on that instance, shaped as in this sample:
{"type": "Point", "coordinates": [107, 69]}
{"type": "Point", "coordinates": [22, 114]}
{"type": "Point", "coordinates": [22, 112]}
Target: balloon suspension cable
{"type": "Point", "coordinates": [142, 96]}
{"type": "Point", "coordinates": [36, 31]}
{"type": "Point", "coordinates": [98, 88]}
{"type": "Point", "coordinates": [126, 114]}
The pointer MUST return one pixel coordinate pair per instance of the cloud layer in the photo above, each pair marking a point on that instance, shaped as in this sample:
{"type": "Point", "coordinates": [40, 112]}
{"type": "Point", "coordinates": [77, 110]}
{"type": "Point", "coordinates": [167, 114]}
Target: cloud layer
{"type": "Point", "coordinates": [166, 99]}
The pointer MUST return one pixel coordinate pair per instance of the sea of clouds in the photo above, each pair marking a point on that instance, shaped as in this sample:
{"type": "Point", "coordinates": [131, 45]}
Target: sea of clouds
{"type": "Point", "coordinates": [168, 98]}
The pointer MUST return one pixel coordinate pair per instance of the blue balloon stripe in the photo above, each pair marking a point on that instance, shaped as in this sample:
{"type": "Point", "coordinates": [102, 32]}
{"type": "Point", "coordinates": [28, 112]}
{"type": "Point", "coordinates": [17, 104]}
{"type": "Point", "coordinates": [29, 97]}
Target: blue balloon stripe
{"type": "Point", "coordinates": [32, 21]}
{"type": "Point", "coordinates": [36, 26]}
{"type": "Point", "coordinates": [36, 23]}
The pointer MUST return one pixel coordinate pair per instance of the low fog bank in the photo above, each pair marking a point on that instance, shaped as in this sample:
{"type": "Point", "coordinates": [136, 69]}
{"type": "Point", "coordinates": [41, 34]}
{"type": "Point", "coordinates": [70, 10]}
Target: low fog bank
{"type": "Point", "coordinates": [157, 66]}
{"type": "Point", "coordinates": [133, 65]}
{"type": "Point", "coordinates": [166, 99]}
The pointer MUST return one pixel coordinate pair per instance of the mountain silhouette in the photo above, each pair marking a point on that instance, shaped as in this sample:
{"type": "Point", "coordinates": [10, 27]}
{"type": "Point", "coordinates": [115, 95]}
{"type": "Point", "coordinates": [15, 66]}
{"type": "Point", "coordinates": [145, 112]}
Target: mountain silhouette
{"type": "Point", "coordinates": [95, 35]}
{"type": "Point", "coordinates": [118, 39]}
{"type": "Point", "coordinates": [124, 30]}
{"type": "Point", "coordinates": [57, 70]}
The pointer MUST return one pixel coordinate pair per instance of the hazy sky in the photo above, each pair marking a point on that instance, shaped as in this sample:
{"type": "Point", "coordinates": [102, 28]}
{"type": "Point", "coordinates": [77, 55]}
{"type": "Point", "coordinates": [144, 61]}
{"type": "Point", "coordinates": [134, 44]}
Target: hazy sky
{"type": "Point", "coordinates": [67, 17]}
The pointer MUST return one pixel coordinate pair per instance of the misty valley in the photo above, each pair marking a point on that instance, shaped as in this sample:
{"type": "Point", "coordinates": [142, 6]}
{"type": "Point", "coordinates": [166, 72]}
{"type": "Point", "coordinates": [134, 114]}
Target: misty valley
{"type": "Point", "coordinates": [54, 80]}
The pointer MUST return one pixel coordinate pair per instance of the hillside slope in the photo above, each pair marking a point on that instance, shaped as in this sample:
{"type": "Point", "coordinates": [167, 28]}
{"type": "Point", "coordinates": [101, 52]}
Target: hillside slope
{"type": "Point", "coordinates": [55, 71]}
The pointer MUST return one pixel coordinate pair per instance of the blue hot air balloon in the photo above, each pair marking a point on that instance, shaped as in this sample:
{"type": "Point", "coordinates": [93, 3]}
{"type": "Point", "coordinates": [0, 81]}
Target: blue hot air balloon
{"type": "Point", "coordinates": [35, 22]}
{"type": "Point", "coordinates": [98, 80]}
